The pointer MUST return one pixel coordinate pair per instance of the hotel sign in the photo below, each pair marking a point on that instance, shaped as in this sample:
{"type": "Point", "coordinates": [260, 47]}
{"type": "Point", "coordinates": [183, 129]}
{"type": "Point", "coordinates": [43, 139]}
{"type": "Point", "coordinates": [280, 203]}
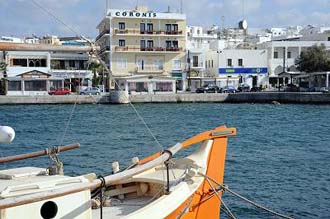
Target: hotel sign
{"type": "Point", "coordinates": [135, 14]}
{"type": "Point", "coordinates": [261, 70]}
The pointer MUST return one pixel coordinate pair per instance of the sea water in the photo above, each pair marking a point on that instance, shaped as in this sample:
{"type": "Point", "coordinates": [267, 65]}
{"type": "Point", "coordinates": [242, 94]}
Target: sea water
{"type": "Point", "coordinates": [280, 157]}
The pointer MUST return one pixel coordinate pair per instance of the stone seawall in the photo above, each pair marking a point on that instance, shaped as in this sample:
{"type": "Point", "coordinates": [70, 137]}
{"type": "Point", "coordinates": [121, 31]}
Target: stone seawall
{"type": "Point", "coordinates": [69, 99]}
{"type": "Point", "coordinates": [262, 97]}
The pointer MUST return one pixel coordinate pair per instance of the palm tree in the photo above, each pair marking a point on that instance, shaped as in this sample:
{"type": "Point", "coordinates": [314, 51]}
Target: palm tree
{"type": "Point", "coordinates": [3, 69]}
{"type": "Point", "coordinates": [96, 69]}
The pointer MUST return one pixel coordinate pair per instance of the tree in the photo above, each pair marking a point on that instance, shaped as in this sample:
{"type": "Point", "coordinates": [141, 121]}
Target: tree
{"type": "Point", "coordinates": [314, 59]}
{"type": "Point", "coordinates": [3, 69]}
{"type": "Point", "coordinates": [96, 69]}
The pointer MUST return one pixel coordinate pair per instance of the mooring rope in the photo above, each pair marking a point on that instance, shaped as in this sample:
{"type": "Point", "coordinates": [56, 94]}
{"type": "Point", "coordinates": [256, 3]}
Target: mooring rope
{"type": "Point", "coordinates": [225, 188]}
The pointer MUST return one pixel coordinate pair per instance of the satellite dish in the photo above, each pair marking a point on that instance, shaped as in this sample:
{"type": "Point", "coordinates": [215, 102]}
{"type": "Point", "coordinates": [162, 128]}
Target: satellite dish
{"type": "Point", "coordinates": [7, 134]}
{"type": "Point", "coordinates": [243, 25]}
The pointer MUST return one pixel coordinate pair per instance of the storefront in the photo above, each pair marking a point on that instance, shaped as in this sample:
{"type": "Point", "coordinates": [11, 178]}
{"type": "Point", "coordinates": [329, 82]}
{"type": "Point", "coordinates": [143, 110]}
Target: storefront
{"type": "Point", "coordinates": [147, 84]}
{"type": "Point", "coordinates": [32, 83]}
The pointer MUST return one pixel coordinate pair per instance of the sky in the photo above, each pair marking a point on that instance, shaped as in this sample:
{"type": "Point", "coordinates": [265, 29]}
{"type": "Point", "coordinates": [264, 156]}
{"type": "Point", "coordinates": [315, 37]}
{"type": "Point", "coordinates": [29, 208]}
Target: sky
{"type": "Point", "coordinates": [23, 18]}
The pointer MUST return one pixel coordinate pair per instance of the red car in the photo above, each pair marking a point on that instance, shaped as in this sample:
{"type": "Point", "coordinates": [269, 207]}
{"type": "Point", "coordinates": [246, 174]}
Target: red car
{"type": "Point", "coordinates": [60, 92]}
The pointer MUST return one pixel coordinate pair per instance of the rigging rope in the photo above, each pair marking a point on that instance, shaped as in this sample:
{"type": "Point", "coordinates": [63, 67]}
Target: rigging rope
{"type": "Point", "coordinates": [225, 188]}
{"type": "Point", "coordinates": [103, 64]}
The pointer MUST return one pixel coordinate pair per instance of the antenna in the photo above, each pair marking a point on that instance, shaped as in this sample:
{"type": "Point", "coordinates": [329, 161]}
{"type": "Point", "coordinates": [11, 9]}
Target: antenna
{"type": "Point", "coordinates": [243, 9]}
{"type": "Point", "coordinates": [106, 7]}
{"type": "Point", "coordinates": [181, 6]}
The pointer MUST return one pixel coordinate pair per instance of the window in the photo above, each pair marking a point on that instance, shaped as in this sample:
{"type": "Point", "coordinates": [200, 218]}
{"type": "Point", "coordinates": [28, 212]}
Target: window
{"type": "Point", "coordinates": [140, 64]}
{"type": "Point", "coordinates": [37, 63]}
{"type": "Point", "coordinates": [121, 63]}
{"type": "Point", "coordinates": [328, 38]}
{"type": "Point", "coordinates": [35, 85]}
{"type": "Point", "coordinates": [209, 64]}
{"type": "Point", "coordinates": [14, 86]}
{"type": "Point", "coordinates": [122, 26]}
{"type": "Point", "coordinates": [168, 27]}
{"type": "Point", "coordinates": [143, 44]}
{"type": "Point", "coordinates": [150, 44]}
{"type": "Point", "coordinates": [159, 64]}
{"type": "Point", "coordinates": [168, 44]}
{"type": "Point", "coordinates": [56, 84]}
{"type": "Point", "coordinates": [240, 62]}
{"type": "Point", "coordinates": [72, 64]}
{"type": "Point", "coordinates": [142, 27]}
{"type": "Point", "coordinates": [175, 27]}
{"type": "Point", "coordinates": [164, 86]}
{"type": "Point", "coordinates": [150, 27]}
{"type": "Point", "coordinates": [275, 55]}
{"type": "Point", "coordinates": [177, 64]}
{"type": "Point", "coordinates": [212, 63]}
{"type": "Point", "coordinates": [195, 61]}
{"type": "Point", "coordinates": [121, 42]}
{"type": "Point", "coordinates": [229, 62]}
{"type": "Point", "coordinates": [205, 64]}
{"type": "Point", "coordinates": [289, 55]}
{"type": "Point", "coordinates": [19, 62]}
{"type": "Point", "coordinates": [175, 44]}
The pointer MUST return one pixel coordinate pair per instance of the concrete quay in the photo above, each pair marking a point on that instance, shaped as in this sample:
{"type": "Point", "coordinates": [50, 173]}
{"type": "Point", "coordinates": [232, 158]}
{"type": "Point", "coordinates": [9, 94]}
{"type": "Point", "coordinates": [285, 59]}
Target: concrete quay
{"type": "Point", "coordinates": [121, 98]}
{"type": "Point", "coordinates": [47, 99]}
{"type": "Point", "coordinates": [259, 97]}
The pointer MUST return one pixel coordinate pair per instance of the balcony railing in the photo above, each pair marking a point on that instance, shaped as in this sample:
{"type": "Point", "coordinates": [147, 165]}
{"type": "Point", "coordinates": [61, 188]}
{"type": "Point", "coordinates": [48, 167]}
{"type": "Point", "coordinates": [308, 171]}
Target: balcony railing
{"type": "Point", "coordinates": [150, 69]}
{"type": "Point", "coordinates": [102, 34]}
{"type": "Point", "coordinates": [148, 32]}
{"type": "Point", "coordinates": [107, 48]}
{"type": "Point", "coordinates": [147, 49]}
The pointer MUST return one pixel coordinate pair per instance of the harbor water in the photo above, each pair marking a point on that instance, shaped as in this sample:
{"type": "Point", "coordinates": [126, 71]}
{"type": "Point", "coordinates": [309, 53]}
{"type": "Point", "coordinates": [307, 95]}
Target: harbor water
{"type": "Point", "coordinates": [280, 157]}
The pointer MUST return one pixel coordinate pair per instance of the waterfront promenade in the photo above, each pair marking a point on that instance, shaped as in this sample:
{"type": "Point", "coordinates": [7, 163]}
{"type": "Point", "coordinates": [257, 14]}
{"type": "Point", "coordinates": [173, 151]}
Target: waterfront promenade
{"type": "Point", "coordinates": [260, 97]}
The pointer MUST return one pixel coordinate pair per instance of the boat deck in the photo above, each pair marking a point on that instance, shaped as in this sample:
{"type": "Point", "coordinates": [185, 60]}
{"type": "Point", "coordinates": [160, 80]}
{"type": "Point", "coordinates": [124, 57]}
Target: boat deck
{"type": "Point", "coordinates": [120, 209]}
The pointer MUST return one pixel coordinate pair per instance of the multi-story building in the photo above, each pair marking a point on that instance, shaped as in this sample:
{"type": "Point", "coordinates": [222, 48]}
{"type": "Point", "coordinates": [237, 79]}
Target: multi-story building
{"type": "Point", "coordinates": [232, 67]}
{"type": "Point", "coordinates": [282, 56]}
{"type": "Point", "coordinates": [146, 44]}
{"type": "Point", "coordinates": [34, 69]}
{"type": "Point", "coordinates": [198, 44]}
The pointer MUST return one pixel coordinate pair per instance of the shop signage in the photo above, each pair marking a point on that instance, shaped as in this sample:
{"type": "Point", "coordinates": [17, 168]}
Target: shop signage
{"type": "Point", "coordinates": [258, 70]}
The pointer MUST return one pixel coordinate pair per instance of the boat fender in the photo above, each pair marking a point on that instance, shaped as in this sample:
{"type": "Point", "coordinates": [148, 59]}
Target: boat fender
{"type": "Point", "coordinates": [115, 167]}
{"type": "Point", "coordinates": [135, 160]}
{"type": "Point", "coordinates": [7, 134]}
{"type": "Point", "coordinates": [191, 173]}
{"type": "Point", "coordinates": [143, 188]}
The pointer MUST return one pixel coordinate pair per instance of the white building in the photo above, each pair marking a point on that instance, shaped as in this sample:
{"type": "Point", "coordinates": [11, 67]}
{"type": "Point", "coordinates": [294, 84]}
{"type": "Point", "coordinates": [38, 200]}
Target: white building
{"type": "Point", "coordinates": [282, 56]}
{"type": "Point", "coordinates": [238, 66]}
{"type": "Point", "coordinates": [10, 39]}
{"type": "Point", "coordinates": [198, 45]}
{"type": "Point", "coordinates": [27, 62]}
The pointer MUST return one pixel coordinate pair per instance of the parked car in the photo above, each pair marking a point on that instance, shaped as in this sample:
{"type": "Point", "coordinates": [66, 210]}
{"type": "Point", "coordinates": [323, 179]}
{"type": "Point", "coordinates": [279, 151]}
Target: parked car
{"type": "Point", "coordinates": [291, 88]}
{"type": "Point", "coordinates": [256, 89]}
{"type": "Point", "coordinates": [243, 88]}
{"type": "Point", "coordinates": [90, 90]}
{"type": "Point", "coordinates": [228, 89]}
{"type": "Point", "coordinates": [325, 90]}
{"type": "Point", "coordinates": [60, 92]}
{"type": "Point", "coordinates": [208, 88]}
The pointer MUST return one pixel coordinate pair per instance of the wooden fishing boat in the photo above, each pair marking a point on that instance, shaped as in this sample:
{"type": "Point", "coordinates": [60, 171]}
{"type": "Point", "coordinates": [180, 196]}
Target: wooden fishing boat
{"type": "Point", "coordinates": [157, 187]}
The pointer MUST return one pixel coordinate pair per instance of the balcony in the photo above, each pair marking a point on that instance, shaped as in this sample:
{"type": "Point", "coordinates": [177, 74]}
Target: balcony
{"type": "Point", "coordinates": [148, 32]}
{"type": "Point", "coordinates": [197, 65]}
{"type": "Point", "coordinates": [102, 34]}
{"type": "Point", "coordinates": [105, 49]}
{"type": "Point", "coordinates": [148, 49]}
{"type": "Point", "coordinates": [150, 70]}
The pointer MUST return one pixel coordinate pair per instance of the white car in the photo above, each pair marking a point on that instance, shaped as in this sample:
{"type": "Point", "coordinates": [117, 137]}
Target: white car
{"type": "Point", "coordinates": [90, 91]}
